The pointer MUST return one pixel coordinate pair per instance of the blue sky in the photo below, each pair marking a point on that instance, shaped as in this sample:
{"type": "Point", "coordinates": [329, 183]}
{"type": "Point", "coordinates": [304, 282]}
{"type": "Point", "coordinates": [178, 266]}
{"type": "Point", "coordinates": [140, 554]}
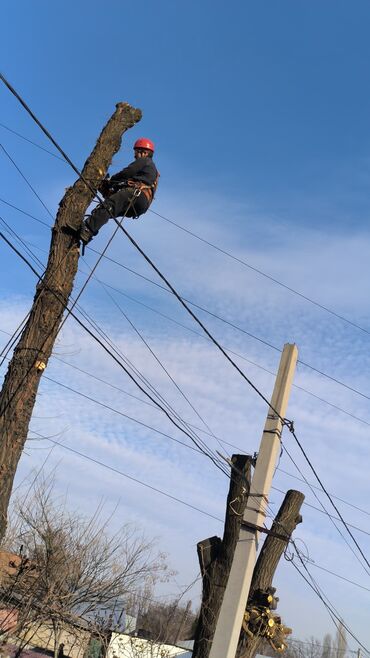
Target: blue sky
{"type": "Point", "coordinates": [260, 113]}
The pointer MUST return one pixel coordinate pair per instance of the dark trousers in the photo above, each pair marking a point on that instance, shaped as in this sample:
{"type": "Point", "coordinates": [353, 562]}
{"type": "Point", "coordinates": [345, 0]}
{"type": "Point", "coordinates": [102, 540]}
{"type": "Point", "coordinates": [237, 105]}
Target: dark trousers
{"type": "Point", "coordinates": [121, 204]}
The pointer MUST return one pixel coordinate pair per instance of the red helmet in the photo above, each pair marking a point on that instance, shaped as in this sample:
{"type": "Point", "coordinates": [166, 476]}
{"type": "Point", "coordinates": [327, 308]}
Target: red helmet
{"type": "Point", "coordinates": [144, 143]}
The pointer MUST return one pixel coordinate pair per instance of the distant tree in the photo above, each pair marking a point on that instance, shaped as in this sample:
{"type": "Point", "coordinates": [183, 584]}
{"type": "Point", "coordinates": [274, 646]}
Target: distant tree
{"type": "Point", "coordinates": [340, 644]}
{"type": "Point", "coordinates": [71, 572]}
{"type": "Point", "coordinates": [327, 650]}
{"type": "Point", "coordinates": [167, 622]}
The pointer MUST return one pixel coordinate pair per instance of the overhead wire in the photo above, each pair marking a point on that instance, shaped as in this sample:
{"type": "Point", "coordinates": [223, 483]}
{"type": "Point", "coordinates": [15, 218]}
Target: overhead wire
{"type": "Point", "coordinates": [261, 272]}
{"type": "Point", "coordinates": [241, 330]}
{"type": "Point", "coordinates": [117, 471]}
{"type": "Point", "coordinates": [205, 447]}
{"type": "Point", "coordinates": [326, 511]}
{"type": "Point", "coordinates": [116, 359]}
{"type": "Point", "coordinates": [339, 620]}
{"type": "Point", "coordinates": [129, 477]}
{"type": "Point", "coordinates": [284, 421]}
{"type": "Point", "coordinates": [307, 459]}
{"type": "Point", "coordinates": [37, 260]}
{"type": "Point", "coordinates": [119, 223]}
{"type": "Point", "coordinates": [346, 528]}
{"type": "Point", "coordinates": [216, 247]}
{"type": "Point", "coordinates": [160, 363]}
{"type": "Point", "coordinates": [164, 434]}
{"type": "Point", "coordinates": [30, 141]}
{"type": "Point", "coordinates": [138, 248]}
{"type": "Point", "coordinates": [225, 321]}
{"type": "Point", "coordinates": [332, 520]}
{"type": "Point", "coordinates": [201, 511]}
{"type": "Point", "coordinates": [26, 180]}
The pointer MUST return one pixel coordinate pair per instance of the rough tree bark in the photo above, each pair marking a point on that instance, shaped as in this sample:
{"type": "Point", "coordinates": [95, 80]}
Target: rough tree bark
{"type": "Point", "coordinates": [19, 390]}
{"type": "Point", "coordinates": [285, 522]}
{"type": "Point", "coordinates": [215, 556]}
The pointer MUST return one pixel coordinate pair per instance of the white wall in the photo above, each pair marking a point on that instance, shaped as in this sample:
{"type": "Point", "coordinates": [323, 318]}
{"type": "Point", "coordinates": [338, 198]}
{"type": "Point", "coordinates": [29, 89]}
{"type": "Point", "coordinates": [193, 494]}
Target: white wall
{"type": "Point", "coordinates": [125, 646]}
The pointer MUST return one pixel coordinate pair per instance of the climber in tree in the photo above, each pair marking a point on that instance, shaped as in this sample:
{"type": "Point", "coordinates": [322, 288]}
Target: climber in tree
{"type": "Point", "coordinates": [128, 193]}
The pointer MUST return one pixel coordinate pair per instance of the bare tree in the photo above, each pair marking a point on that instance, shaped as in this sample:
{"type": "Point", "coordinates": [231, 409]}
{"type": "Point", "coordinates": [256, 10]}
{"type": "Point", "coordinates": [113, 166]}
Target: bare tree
{"type": "Point", "coordinates": [340, 643]}
{"type": "Point", "coordinates": [71, 574]}
{"type": "Point", "coordinates": [327, 651]}
{"type": "Point", "coordinates": [167, 622]}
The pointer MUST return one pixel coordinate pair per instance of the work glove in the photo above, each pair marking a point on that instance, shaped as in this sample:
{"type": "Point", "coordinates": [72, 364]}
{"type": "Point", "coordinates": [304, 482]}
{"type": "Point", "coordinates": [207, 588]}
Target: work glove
{"type": "Point", "coordinates": [105, 187]}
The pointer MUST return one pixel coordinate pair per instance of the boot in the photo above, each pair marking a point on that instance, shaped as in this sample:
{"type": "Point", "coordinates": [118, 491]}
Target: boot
{"type": "Point", "coordinates": [86, 234]}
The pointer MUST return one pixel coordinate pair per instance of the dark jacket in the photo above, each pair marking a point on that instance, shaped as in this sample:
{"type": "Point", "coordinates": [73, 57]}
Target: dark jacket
{"type": "Point", "coordinates": [142, 169]}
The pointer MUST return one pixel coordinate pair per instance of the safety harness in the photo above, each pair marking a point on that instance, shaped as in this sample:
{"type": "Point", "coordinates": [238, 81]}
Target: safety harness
{"type": "Point", "coordinates": [148, 190]}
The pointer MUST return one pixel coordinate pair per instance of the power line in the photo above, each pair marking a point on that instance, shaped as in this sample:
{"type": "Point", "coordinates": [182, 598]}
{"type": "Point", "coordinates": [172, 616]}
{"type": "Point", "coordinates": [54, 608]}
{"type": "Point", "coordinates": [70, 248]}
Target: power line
{"type": "Point", "coordinates": [322, 511]}
{"type": "Point", "coordinates": [329, 608]}
{"type": "Point", "coordinates": [163, 367]}
{"type": "Point", "coordinates": [216, 247]}
{"type": "Point", "coordinates": [117, 471]}
{"type": "Point", "coordinates": [129, 477]}
{"type": "Point", "coordinates": [262, 273]}
{"type": "Point", "coordinates": [331, 501]}
{"type": "Point", "coordinates": [225, 321]}
{"type": "Point", "coordinates": [91, 375]}
{"type": "Point", "coordinates": [121, 365]}
{"type": "Point", "coordinates": [198, 441]}
{"type": "Point", "coordinates": [141, 251]}
{"type": "Point", "coordinates": [25, 179]}
{"type": "Point", "coordinates": [240, 329]}
{"type": "Point", "coordinates": [25, 213]}
{"type": "Point", "coordinates": [184, 304]}
{"type": "Point", "coordinates": [328, 495]}
{"type": "Point", "coordinates": [26, 139]}
{"type": "Point", "coordinates": [306, 481]}
{"type": "Point", "coordinates": [75, 302]}
{"type": "Point", "coordinates": [121, 413]}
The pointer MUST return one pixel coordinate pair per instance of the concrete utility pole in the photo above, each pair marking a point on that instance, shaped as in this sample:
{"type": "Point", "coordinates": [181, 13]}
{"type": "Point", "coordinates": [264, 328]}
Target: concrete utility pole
{"type": "Point", "coordinates": [230, 618]}
{"type": "Point", "coordinates": [31, 355]}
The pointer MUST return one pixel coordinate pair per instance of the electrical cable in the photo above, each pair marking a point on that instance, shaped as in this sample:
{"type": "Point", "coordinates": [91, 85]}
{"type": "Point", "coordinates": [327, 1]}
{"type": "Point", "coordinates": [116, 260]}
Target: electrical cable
{"type": "Point", "coordinates": [36, 219]}
{"type": "Point", "coordinates": [197, 439]}
{"type": "Point", "coordinates": [162, 366]}
{"type": "Point", "coordinates": [327, 606]}
{"type": "Point", "coordinates": [25, 179]}
{"type": "Point", "coordinates": [141, 251]}
{"type": "Point", "coordinates": [100, 342]}
{"type": "Point", "coordinates": [129, 477]}
{"type": "Point", "coordinates": [328, 495]}
{"type": "Point", "coordinates": [262, 273]}
{"type": "Point", "coordinates": [218, 248]}
{"type": "Point", "coordinates": [121, 413]}
{"type": "Point", "coordinates": [82, 455]}
{"type": "Point", "coordinates": [101, 256]}
{"type": "Point", "coordinates": [303, 480]}
{"type": "Point", "coordinates": [331, 518]}
{"type": "Point", "coordinates": [240, 329]}
{"type": "Point", "coordinates": [322, 511]}
{"type": "Point", "coordinates": [182, 302]}
{"type": "Point", "coordinates": [225, 321]}
{"type": "Point", "coordinates": [26, 139]}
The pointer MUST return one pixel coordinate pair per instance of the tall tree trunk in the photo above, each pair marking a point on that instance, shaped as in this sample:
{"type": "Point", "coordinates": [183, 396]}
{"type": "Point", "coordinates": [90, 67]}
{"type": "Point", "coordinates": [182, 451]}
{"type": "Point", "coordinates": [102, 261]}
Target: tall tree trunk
{"type": "Point", "coordinates": [285, 522]}
{"type": "Point", "coordinates": [216, 555]}
{"type": "Point", "coordinates": [19, 390]}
